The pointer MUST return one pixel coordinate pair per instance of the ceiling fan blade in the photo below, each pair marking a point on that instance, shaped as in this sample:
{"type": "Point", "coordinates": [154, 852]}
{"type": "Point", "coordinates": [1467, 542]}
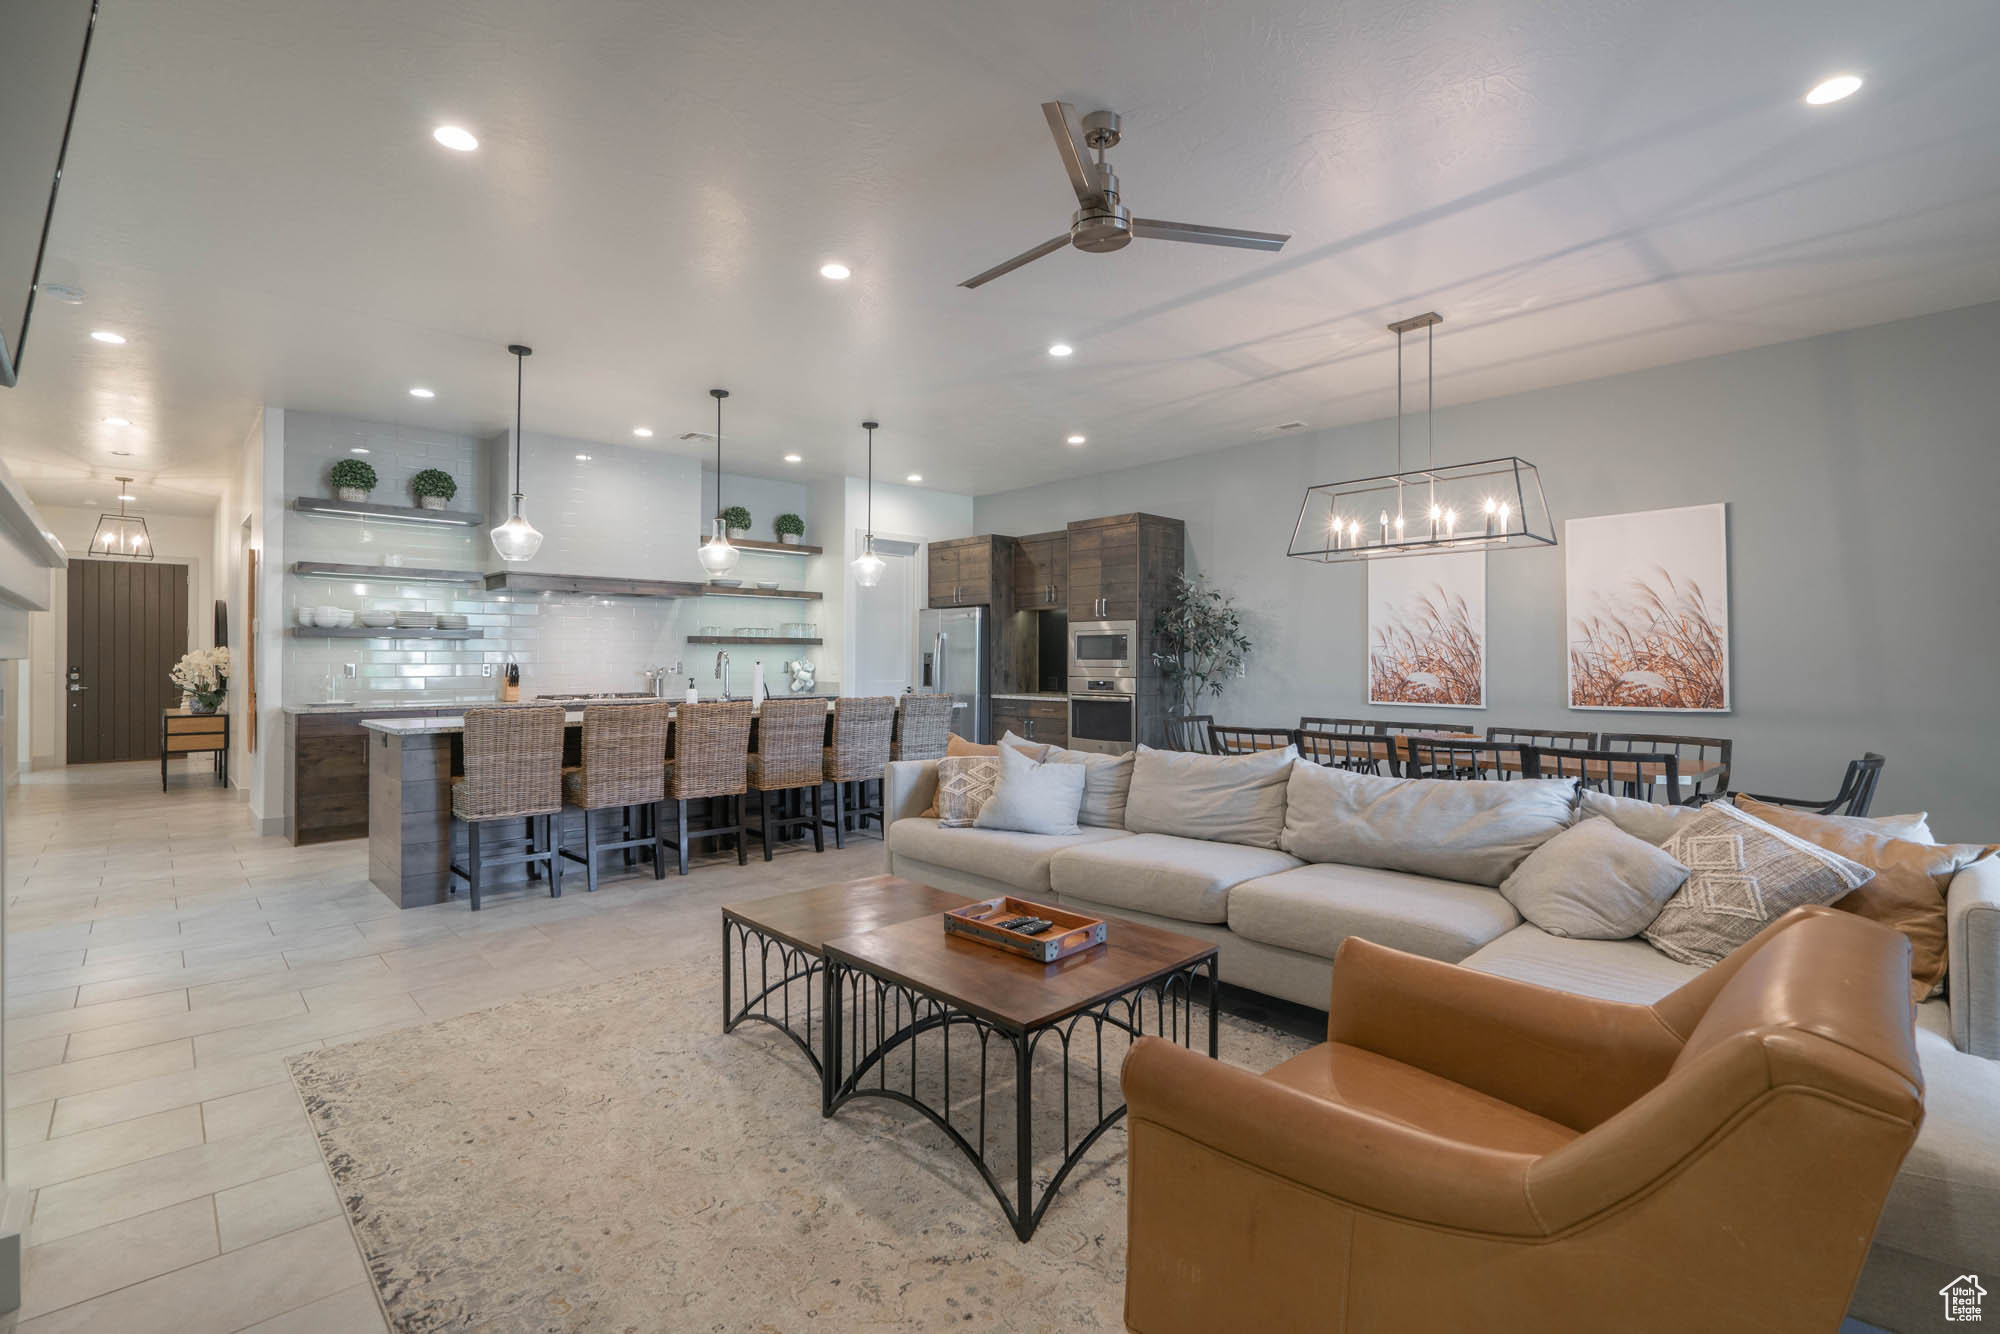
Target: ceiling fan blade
{"type": "Point", "coordinates": [1048, 247]}
{"type": "Point", "coordinates": [1075, 155]}
{"type": "Point", "coordinates": [1155, 229]}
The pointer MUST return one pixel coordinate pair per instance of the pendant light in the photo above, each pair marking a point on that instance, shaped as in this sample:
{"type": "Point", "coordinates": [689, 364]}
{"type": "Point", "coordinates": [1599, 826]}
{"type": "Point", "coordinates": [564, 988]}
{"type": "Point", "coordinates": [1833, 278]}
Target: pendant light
{"type": "Point", "coordinates": [1493, 504]}
{"type": "Point", "coordinates": [868, 566]}
{"type": "Point", "coordinates": [717, 556]}
{"type": "Point", "coordinates": [122, 534]}
{"type": "Point", "coordinates": [517, 539]}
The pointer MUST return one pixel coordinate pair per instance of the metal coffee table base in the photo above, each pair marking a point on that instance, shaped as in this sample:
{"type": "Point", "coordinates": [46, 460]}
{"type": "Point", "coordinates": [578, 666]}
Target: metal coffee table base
{"type": "Point", "coordinates": [766, 986]}
{"type": "Point", "coordinates": [867, 1017]}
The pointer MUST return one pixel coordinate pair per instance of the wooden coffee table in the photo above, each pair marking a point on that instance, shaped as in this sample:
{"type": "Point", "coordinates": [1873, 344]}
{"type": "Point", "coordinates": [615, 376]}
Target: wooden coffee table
{"type": "Point", "coordinates": [889, 986]}
{"type": "Point", "coordinates": [787, 930]}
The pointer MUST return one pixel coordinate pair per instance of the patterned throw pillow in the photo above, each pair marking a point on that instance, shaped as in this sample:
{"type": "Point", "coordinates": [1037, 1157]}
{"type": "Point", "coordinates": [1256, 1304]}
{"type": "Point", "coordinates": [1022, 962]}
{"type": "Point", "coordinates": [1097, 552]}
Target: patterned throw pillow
{"type": "Point", "coordinates": [965, 783]}
{"type": "Point", "coordinates": [1742, 875]}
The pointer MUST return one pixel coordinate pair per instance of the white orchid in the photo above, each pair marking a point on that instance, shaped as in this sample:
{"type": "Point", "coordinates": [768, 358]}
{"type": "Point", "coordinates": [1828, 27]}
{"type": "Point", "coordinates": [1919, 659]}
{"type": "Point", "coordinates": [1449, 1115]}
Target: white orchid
{"type": "Point", "coordinates": [203, 673]}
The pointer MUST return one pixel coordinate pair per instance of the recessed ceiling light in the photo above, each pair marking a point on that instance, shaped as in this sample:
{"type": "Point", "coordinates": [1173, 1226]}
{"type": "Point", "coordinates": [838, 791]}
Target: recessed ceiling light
{"type": "Point", "coordinates": [121, 453]}
{"type": "Point", "coordinates": [117, 421]}
{"type": "Point", "coordinates": [455, 137]}
{"type": "Point", "coordinates": [835, 270]}
{"type": "Point", "coordinates": [106, 336]}
{"type": "Point", "coordinates": [418, 391]}
{"type": "Point", "coordinates": [1834, 89]}
{"type": "Point", "coordinates": [63, 292]}
{"type": "Point", "coordinates": [583, 458]}
{"type": "Point", "coordinates": [1060, 349]}
{"type": "Point", "coordinates": [1290, 426]}
{"type": "Point", "coordinates": [795, 458]}
{"type": "Point", "coordinates": [643, 432]}
{"type": "Point", "coordinates": [914, 477]}
{"type": "Point", "coordinates": [358, 449]}
{"type": "Point", "coordinates": [1076, 440]}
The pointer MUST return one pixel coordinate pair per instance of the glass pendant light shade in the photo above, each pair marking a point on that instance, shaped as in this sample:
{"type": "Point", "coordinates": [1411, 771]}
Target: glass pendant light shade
{"type": "Point", "coordinates": [868, 566]}
{"type": "Point", "coordinates": [718, 557]}
{"type": "Point", "coordinates": [517, 539]}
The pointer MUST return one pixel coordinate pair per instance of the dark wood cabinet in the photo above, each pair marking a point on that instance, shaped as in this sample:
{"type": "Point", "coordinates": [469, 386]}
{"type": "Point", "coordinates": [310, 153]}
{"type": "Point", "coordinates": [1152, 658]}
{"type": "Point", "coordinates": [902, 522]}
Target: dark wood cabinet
{"type": "Point", "coordinates": [326, 776]}
{"type": "Point", "coordinates": [971, 571]}
{"type": "Point", "coordinates": [1041, 572]}
{"type": "Point", "coordinates": [1042, 720]}
{"type": "Point", "coordinates": [1104, 569]}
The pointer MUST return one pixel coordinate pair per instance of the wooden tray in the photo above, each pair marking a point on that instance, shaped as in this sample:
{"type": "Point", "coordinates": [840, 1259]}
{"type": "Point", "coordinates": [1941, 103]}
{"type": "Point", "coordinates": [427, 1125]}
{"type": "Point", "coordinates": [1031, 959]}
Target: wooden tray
{"type": "Point", "coordinates": [1071, 934]}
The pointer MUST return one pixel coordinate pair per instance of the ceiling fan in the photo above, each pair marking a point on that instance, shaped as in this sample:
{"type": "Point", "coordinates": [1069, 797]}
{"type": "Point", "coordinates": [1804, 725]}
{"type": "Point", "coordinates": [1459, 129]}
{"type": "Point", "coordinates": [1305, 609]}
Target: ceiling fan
{"type": "Point", "coordinates": [1100, 223]}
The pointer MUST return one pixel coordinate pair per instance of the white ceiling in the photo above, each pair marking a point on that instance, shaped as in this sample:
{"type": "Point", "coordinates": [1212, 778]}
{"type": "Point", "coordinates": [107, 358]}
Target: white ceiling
{"type": "Point", "coordinates": [1581, 187]}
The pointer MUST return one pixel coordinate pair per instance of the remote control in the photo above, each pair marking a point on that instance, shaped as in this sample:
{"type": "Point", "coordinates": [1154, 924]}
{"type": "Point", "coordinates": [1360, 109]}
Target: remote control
{"type": "Point", "coordinates": [1014, 923]}
{"type": "Point", "coordinates": [1036, 926]}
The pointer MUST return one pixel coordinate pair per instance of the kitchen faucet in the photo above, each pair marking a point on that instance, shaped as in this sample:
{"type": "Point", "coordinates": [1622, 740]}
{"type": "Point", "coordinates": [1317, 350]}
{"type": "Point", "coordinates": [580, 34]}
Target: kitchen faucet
{"type": "Point", "coordinates": [722, 671]}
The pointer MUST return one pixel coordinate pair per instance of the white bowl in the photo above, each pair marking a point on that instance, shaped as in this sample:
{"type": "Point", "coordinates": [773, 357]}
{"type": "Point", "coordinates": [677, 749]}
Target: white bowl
{"type": "Point", "coordinates": [378, 620]}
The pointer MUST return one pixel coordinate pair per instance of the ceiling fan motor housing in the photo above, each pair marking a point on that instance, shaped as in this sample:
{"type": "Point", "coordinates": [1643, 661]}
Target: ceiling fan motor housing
{"type": "Point", "coordinates": [1101, 228]}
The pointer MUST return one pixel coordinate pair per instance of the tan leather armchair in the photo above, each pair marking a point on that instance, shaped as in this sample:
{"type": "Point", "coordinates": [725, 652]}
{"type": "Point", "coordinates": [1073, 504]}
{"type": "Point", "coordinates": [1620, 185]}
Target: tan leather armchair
{"type": "Point", "coordinates": [1467, 1152]}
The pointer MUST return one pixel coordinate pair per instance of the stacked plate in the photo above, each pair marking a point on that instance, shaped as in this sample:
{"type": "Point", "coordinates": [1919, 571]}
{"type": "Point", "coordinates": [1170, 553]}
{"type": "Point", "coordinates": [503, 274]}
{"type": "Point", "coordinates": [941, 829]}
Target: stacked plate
{"type": "Point", "coordinates": [416, 620]}
{"type": "Point", "coordinates": [451, 621]}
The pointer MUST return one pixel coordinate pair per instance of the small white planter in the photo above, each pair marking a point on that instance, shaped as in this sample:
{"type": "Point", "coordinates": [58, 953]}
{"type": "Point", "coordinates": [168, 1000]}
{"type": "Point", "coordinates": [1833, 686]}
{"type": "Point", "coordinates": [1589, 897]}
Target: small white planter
{"type": "Point", "coordinates": [353, 495]}
{"type": "Point", "coordinates": [789, 539]}
{"type": "Point", "coordinates": [430, 502]}
{"type": "Point", "coordinates": [738, 534]}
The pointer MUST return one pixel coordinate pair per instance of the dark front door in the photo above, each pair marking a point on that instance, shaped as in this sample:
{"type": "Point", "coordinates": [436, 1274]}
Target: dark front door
{"type": "Point", "coordinates": [127, 629]}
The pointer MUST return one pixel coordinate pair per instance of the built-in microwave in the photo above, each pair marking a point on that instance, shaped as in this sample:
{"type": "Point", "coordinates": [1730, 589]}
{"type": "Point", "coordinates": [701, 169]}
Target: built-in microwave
{"type": "Point", "coordinates": [1103, 648]}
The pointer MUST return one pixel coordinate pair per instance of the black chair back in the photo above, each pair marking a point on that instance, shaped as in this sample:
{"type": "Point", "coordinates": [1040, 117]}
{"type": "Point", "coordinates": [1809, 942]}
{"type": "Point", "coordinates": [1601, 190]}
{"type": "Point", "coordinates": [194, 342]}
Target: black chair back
{"type": "Point", "coordinates": [1647, 776]}
{"type": "Point", "coordinates": [1460, 760]}
{"type": "Point", "coordinates": [1189, 732]}
{"type": "Point", "coordinates": [1342, 726]}
{"type": "Point", "coordinates": [1543, 736]}
{"type": "Point", "coordinates": [1704, 759]}
{"type": "Point", "coordinates": [1364, 753]}
{"type": "Point", "coordinates": [1244, 740]}
{"type": "Point", "coordinates": [1856, 795]}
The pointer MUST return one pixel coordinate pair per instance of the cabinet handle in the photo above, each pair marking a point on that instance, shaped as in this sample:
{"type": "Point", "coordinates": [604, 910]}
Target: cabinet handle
{"type": "Point", "coordinates": [1030, 723]}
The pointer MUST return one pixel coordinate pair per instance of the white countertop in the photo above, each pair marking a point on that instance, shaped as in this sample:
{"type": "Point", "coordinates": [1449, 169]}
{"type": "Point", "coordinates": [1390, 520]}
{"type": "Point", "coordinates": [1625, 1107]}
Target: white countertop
{"type": "Point", "coordinates": [1031, 694]}
{"type": "Point", "coordinates": [456, 722]}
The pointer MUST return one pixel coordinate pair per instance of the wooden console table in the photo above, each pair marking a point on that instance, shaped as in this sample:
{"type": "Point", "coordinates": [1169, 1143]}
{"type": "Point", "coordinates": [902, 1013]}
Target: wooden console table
{"type": "Point", "coordinates": [184, 733]}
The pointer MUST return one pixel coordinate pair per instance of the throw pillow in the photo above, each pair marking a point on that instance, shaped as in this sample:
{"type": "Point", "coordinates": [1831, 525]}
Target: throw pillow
{"type": "Point", "coordinates": [965, 784]}
{"type": "Point", "coordinates": [1107, 783]}
{"type": "Point", "coordinates": [1742, 875]}
{"type": "Point", "coordinates": [1908, 891]}
{"type": "Point", "coordinates": [1033, 796]}
{"type": "Point", "coordinates": [1915, 827]}
{"type": "Point", "coordinates": [1649, 820]}
{"type": "Point", "coordinates": [1038, 750]}
{"type": "Point", "coordinates": [1594, 881]}
{"type": "Point", "coordinates": [1477, 832]}
{"type": "Point", "coordinates": [957, 747]}
{"type": "Point", "coordinates": [1220, 798]}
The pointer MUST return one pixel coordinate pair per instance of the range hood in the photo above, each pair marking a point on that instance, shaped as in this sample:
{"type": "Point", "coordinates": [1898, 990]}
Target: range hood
{"type": "Point", "coordinates": [592, 585]}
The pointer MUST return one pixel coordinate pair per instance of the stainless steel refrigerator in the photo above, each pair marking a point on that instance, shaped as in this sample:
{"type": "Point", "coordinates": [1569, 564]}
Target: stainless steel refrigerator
{"type": "Point", "coordinates": [951, 660]}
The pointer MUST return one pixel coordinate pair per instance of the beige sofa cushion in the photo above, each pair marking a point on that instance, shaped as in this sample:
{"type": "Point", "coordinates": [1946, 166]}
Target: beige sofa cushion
{"type": "Point", "coordinates": [1594, 881]}
{"type": "Point", "coordinates": [1651, 820]}
{"type": "Point", "coordinates": [1020, 860]}
{"type": "Point", "coordinates": [1107, 783]}
{"type": "Point", "coordinates": [1220, 798]}
{"type": "Point", "coordinates": [1314, 908]}
{"type": "Point", "coordinates": [1618, 970]}
{"type": "Point", "coordinates": [1183, 878]}
{"type": "Point", "coordinates": [1478, 832]}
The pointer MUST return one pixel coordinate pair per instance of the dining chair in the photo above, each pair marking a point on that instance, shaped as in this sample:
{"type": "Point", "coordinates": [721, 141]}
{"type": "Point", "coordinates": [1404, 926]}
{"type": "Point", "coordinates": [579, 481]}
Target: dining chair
{"type": "Point", "coordinates": [1460, 760]}
{"type": "Point", "coordinates": [1245, 740]}
{"type": "Point", "coordinates": [709, 750]}
{"type": "Point", "coordinates": [1703, 759]}
{"type": "Point", "coordinates": [922, 724]}
{"type": "Point", "coordinates": [1856, 795]}
{"type": "Point", "coordinates": [513, 771]}
{"type": "Point", "coordinates": [1342, 726]}
{"type": "Point", "coordinates": [1189, 732]}
{"type": "Point", "coordinates": [1363, 753]}
{"type": "Point", "coordinates": [621, 771]}
{"type": "Point", "coordinates": [862, 726]}
{"type": "Point", "coordinates": [1543, 736]}
{"type": "Point", "coordinates": [1641, 774]}
{"type": "Point", "coordinates": [791, 736]}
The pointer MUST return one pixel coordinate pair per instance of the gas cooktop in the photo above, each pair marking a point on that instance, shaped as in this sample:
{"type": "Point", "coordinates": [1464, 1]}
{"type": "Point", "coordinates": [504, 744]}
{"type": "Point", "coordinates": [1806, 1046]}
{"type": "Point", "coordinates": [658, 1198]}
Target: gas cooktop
{"type": "Point", "coordinates": [603, 694]}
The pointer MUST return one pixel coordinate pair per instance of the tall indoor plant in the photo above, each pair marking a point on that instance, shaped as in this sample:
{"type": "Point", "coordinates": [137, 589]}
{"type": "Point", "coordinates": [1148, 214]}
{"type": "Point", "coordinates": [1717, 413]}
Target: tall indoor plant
{"type": "Point", "coordinates": [1207, 646]}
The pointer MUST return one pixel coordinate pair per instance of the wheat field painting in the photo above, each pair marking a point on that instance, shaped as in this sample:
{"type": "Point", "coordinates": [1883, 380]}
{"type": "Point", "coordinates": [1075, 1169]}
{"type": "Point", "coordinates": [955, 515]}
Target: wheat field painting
{"type": "Point", "coordinates": [1648, 610]}
{"type": "Point", "coordinates": [1427, 630]}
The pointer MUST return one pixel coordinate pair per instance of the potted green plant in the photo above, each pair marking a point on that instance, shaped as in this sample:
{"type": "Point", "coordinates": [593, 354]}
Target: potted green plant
{"type": "Point", "coordinates": [1207, 646]}
{"type": "Point", "coordinates": [352, 479]}
{"type": "Point", "coordinates": [790, 528]}
{"type": "Point", "coordinates": [202, 676]}
{"type": "Point", "coordinates": [737, 520]}
{"type": "Point", "coordinates": [433, 488]}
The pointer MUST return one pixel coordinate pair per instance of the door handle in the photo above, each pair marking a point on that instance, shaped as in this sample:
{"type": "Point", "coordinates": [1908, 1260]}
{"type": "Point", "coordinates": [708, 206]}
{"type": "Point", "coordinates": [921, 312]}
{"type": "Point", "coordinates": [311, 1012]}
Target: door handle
{"type": "Point", "coordinates": [940, 663]}
{"type": "Point", "coordinates": [74, 687]}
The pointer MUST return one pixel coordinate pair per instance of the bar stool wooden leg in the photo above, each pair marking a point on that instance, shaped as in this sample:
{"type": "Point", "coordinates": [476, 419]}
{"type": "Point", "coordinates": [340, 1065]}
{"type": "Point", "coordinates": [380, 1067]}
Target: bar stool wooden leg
{"type": "Point", "coordinates": [742, 840]}
{"type": "Point", "coordinates": [765, 805]}
{"type": "Point", "coordinates": [589, 853]}
{"type": "Point", "coordinates": [819, 823]}
{"type": "Point", "coordinates": [681, 820]}
{"type": "Point", "coordinates": [534, 871]}
{"type": "Point", "coordinates": [472, 861]}
{"type": "Point", "coordinates": [658, 849]}
{"type": "Point", "coordinates": [840, 815]}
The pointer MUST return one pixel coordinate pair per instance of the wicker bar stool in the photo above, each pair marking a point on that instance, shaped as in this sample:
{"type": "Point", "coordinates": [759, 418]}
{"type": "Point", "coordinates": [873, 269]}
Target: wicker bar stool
{"type": "Point", "coordinates": [513, 771]}
{"type": "Point", "coordinates": [710, 750]}
{"type": "Point", "coordinates": [622, 746]}
{"type": "Point", "coordinates": [860, 751]}
{"type": "Point", "coordinates": [922, 724]}
{"type": "Point", "coordinates": [790, 737]}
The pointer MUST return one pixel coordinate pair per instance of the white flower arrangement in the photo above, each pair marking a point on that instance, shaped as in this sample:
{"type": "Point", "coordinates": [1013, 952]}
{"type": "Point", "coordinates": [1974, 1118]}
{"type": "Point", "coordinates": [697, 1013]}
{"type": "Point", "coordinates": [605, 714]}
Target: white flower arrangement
{"type": "Point", "coordinates": [204, 674]}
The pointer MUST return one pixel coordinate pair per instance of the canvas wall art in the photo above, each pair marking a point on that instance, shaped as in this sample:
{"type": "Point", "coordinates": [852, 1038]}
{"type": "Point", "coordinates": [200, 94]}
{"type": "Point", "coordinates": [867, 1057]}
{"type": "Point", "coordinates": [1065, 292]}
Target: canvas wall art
{"type": "Point", "coordinates": [1648, 610]}
{"type": "Point", "coordinates": [1427, 630]}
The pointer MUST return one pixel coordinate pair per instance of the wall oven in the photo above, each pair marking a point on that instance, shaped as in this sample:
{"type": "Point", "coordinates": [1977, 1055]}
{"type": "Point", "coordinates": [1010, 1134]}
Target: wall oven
{"type": "Point", "coordinates": [1101, 713]}
{"type": "Point", "coordinates": [1103, 648]}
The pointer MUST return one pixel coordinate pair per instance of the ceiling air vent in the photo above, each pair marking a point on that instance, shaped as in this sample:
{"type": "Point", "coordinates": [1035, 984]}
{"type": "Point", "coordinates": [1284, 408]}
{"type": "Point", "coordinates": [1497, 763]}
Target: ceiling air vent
{"type": "Point", "coordinates": [1289, 426]}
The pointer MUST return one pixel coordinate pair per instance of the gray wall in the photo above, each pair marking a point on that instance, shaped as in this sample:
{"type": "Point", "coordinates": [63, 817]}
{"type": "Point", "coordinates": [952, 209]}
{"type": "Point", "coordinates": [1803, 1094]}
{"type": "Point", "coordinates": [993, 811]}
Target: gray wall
{"type": "Point", "coordinates": [1862, 473]}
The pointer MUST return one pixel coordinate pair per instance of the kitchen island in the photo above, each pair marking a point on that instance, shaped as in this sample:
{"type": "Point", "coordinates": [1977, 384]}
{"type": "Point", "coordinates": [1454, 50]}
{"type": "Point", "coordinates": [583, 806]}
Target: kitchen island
{"type": "Point", "coordinates": [411, 839]}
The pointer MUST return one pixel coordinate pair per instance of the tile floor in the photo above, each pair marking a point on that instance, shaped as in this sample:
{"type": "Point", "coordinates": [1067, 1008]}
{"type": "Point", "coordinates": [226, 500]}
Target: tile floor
{"type": "Point", "coordinates": [162, 959]}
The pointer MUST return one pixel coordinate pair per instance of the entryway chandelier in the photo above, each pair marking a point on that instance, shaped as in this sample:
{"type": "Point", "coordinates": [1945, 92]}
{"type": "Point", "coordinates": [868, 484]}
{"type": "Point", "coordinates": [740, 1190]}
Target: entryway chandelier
{"type": "Point", "coordinates": [122, 534]}
{"type": "Point", "coordinates": [1492, 504]}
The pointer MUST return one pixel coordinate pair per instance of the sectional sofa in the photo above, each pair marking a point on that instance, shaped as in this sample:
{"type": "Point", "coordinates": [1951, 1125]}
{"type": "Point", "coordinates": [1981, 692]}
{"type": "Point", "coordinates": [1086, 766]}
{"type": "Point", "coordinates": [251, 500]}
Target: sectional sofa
{"type": "Point", "coordinates": [1277, 919]}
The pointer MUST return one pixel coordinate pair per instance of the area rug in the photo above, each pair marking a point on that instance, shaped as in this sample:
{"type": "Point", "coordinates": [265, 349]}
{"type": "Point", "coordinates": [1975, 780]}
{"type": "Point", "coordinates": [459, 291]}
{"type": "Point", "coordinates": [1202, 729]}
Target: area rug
{"type": "Point", "coordinates": [607, 1159]}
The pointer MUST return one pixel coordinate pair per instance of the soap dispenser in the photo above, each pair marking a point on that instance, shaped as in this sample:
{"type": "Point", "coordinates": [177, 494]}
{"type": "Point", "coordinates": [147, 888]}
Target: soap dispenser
{"type": "Point", "coordinates": [693, 695]}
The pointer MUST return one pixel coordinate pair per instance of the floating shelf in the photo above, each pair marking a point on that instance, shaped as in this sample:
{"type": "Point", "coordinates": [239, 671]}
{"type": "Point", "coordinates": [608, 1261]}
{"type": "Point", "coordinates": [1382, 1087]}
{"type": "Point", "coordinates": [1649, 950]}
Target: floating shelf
{"type": "Point", "coordinates": [748, 639]}
{"type": "Point", "coordinates": [384, 632]}
{"type": "Point", "coordinates": [361, 509]}
{"type": "Point", "coordinates": [796, 594]}
{"type": "Point", "coordinates": [591, 585]}
{"type": "Point", "coordinates": [321, 569]}
{"type": "Point", "coordinates": [773, 548]}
